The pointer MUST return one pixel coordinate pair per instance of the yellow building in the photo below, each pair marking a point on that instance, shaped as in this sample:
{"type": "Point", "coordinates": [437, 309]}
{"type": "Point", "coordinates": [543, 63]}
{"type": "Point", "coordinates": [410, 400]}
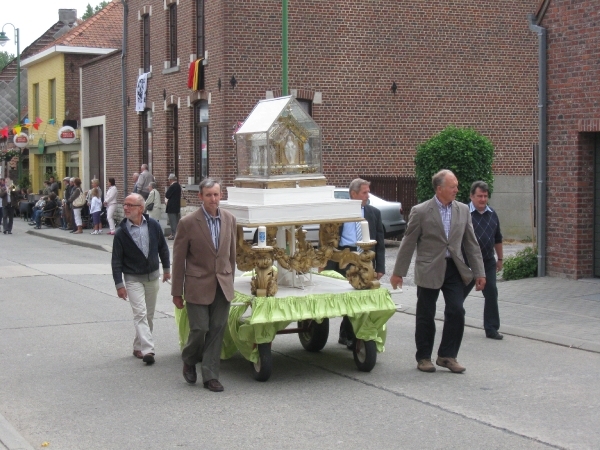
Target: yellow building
{"type": "Point", "coordinates": [53, 85]}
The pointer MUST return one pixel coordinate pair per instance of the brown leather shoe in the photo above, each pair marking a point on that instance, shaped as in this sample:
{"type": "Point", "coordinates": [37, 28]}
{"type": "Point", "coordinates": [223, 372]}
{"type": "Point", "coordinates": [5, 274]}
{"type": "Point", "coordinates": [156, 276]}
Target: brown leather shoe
{"type": "Point", "coordinates": [425, 365]}
{"type": "Point", "coordinates": [148, 358]}
{"type": "Point", "coordinates": [450, 363]}
{"type": "Point", "coordinates": [138, 354]}
{"type": "Point", "coordinates": [189, 373]}
{"type": "Point", "coordinates": [214, 385]}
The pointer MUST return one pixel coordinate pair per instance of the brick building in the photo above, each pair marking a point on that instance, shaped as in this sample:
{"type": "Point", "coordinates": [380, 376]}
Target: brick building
{"type": "Point", "coordinates": [573, 136]}
{"type": "Point", "coordinates": [472, 64]}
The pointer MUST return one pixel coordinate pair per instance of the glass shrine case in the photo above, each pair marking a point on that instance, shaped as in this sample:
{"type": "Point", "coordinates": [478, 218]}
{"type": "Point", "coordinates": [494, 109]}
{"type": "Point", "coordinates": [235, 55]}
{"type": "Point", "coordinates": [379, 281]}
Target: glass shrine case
{"type": "Point", "coordinates": [278, 141]}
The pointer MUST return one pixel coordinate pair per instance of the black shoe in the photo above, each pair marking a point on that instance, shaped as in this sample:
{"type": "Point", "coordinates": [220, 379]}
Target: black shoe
{"type": "Point", "coordinates": [189, 373]}
{"type": "Point", "coordinates": [148, 358]}
{"type": "Point", "coordinates": [9, 232]}
{"type": "Point", "coordinates": [5, 232]}
{"type": "Point", "coordinates": [496, 336]}
{"type": "Point", "coordinates": [214, 386]}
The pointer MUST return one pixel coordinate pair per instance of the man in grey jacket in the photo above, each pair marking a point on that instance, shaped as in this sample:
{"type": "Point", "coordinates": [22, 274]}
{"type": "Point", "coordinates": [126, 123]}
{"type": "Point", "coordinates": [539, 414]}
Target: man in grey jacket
{"type": "Point", "coordinates": [438, 228]}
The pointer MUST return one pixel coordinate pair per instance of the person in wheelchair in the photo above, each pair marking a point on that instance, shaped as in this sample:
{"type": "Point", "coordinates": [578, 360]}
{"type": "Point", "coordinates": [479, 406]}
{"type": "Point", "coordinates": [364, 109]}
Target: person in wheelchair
{"type": "Point", "coordinates": [47, 210]}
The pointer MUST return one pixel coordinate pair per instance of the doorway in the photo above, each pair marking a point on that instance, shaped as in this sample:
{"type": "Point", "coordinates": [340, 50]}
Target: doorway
{"type": "Point", "coordinates": [96, 153]}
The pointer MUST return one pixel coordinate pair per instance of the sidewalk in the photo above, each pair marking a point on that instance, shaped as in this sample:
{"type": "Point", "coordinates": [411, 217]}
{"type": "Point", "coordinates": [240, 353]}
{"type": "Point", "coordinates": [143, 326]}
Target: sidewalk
{"type": "Point", "coordinates": [555, 310]}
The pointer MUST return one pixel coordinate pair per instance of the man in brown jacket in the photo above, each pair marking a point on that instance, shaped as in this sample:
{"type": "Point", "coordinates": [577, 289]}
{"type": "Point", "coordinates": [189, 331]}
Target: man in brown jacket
{"type": "Point", "coordinates": [203, 272]}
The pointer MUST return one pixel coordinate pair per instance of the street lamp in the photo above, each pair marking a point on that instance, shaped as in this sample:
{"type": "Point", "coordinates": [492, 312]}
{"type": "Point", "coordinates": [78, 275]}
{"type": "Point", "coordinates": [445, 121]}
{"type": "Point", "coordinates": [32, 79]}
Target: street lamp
{"type": "Point", "coordinates": [3, 40]}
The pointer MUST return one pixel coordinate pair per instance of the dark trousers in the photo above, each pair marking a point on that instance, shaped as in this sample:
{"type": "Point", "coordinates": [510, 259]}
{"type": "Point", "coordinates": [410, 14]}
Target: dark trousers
{"type": "Point", "coordinates": [8, 213]}
{"type": "Point", "coordinates": [491, 315]}
{"type": "Point", "coordinates": [454, 316]}
{"type": "Point", "coordinates": [346, 331]}
{"type": "Point", "coordinates": [207, 327]}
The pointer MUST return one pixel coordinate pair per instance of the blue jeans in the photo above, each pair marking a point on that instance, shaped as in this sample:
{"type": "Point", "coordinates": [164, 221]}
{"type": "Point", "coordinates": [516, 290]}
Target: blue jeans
{"type": "Point", "coordinates": [37, 217]}
{"type": "Point", "coordinates": [491, 315]}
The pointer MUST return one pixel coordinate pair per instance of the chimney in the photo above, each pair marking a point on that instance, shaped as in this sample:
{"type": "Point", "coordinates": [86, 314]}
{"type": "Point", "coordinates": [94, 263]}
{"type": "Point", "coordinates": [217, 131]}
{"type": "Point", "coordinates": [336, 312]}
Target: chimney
{"type": "Point", "coordinates": [68, 17]}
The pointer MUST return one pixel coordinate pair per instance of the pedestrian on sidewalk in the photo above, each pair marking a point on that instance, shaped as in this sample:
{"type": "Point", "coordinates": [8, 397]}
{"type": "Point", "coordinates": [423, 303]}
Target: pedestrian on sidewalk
{"type": "Point", "coordinates": [138, 244]}
{"type": "Point", "coordinates": [486, 225]}
{"type": "Point", "coordinates": [8, 194]}
{"type": "Point", "coordinates": [173, 200]}
{"type": "Point", "coordinates": [204, 271]}
{"type": "Point", "coordinates": [135, 177]}
{"type": "Point", "coordinates": [143, 182]}
{"type": "Point", "coordinates": [95, 210]}
{"type": "Point", "coordinates": [438, 228]}
{"type": "Point", "coordinates": [75, 206]}
{"type": "Point", "coordinates": [110, 201]}
{"type": "Point", "coordinates": [66, 210]}
{"type": "Point", "coordinates": [153, 208]}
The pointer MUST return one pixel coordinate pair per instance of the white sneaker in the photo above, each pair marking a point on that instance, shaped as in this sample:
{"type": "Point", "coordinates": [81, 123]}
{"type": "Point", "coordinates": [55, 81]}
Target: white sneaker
{"type": "Point", "coordinates": [94, 232]}
{"type": "Point", "coordinates": [99, 232]}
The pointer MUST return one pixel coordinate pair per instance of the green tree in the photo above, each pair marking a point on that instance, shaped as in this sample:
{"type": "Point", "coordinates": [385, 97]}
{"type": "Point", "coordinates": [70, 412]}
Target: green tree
{"type": "Point", "coordinates": [5, 58]}
{"type": "Point", "coordinates": [89, 11]}
{"type": "Point", "coordinates": [463, 151]}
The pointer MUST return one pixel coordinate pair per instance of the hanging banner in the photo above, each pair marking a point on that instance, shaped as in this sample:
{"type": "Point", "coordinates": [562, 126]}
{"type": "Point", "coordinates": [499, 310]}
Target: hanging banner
{"type": "Point", "coordinates": [66, 135]}
{"type": "Point", "coordinates": [21, 140]}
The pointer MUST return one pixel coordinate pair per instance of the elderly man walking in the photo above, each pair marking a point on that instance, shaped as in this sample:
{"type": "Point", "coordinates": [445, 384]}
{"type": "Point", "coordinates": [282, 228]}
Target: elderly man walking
{"type": "Point", "coordinates": [203, 271]}
{"type": "Point", "coordinates": [439, 228]}
{"type": "Point", "coordinates": [137, 246]}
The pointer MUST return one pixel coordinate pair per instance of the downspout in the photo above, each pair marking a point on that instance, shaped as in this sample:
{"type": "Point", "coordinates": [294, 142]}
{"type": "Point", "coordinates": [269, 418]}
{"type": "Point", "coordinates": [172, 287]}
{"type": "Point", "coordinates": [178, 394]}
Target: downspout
{"type": "Point", "coordinates": [124, 94]}
{"type": "Point", "coordinates": [543, 142]}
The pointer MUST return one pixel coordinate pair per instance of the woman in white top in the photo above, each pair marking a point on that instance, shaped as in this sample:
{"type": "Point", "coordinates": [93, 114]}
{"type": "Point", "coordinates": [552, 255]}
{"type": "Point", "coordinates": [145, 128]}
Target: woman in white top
{"type": "Point", "coordinates": [154, 199]}
{"type": "Point", "coordinates": [110, 201]}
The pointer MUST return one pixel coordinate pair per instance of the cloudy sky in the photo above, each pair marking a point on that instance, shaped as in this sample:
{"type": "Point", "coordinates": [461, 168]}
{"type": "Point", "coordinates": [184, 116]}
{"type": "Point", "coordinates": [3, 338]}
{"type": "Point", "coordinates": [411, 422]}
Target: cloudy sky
{"type": "Point", "coordinates": [36, 19]}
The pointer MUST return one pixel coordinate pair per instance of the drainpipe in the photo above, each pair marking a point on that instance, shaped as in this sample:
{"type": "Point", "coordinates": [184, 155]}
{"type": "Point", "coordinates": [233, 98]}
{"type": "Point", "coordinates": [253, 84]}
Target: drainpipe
{"type": "Point", "coordinates": [543, 142]}
{"type": "Point", "coordinates": [124, 95]}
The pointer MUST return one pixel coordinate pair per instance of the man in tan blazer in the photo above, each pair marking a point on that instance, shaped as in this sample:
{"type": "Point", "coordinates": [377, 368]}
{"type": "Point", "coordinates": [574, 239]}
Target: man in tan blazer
{"type": "Point", "coordinates": [439, 228]}
{"type": "Point", "coordinates": [204, 271]}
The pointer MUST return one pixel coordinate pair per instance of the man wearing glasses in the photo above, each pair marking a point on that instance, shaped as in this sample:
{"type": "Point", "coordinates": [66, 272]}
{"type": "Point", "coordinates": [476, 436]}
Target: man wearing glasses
{"type": "Point", "coordinates": [138, 244]}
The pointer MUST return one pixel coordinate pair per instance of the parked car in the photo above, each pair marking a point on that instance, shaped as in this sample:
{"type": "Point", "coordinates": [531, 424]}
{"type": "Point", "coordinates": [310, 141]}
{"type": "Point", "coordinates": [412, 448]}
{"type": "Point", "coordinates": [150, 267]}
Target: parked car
{"type": "Point", "coordinates": [394, 224]}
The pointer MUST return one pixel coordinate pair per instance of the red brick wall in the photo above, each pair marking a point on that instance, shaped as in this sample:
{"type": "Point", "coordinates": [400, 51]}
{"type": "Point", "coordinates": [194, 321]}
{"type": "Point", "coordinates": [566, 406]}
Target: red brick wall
{"type": "Point", "coordinates": [473, 64]}
{"type": "Point", "coordinates": [573, 101]}
{"type": "Point", "coordinates": [102, 97]}
{"type": "Point", "coordinates": [72, 64]}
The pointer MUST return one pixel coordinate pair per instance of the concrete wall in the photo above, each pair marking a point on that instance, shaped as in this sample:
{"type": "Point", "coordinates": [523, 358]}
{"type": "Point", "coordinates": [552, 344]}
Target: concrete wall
{"type": "Point", "coordinates": [513, 201]}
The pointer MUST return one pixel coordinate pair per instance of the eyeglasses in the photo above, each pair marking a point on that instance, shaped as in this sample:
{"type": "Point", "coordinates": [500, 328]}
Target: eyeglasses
{"type": "Point", "coordinates": [130, 205]}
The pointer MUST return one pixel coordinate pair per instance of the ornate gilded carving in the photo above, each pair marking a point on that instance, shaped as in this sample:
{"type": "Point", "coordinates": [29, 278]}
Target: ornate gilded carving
{"type": "Point", "coordinates": [360, 274]}
{"type": "Point", "coordinates": [264, 281]}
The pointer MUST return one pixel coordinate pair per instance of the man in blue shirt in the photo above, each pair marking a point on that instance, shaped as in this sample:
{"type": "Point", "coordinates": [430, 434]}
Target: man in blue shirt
{"type": "Point", "coordinates": [487, 230]}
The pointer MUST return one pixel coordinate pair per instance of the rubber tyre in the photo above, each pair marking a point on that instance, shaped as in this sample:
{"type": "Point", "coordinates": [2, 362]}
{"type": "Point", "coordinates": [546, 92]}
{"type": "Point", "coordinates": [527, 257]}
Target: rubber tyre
{"type": "Point", "coordinates": [365, 355]}
{"type": "Point", "coordinates": [315, 338]}
{"type": "Point", "coordinates": [261, 371]}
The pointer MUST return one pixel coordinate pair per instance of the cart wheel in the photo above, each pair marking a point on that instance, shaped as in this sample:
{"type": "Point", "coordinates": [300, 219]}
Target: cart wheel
{"type": "Point", "coordinates": [261, 371]}
{"type": "Point", "coordinates": [365, 355]}
{"type": "Point", "coordinates": [315, 338]}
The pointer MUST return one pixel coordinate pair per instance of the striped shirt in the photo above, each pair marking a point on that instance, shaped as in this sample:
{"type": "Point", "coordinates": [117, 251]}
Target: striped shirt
{"type": "Point", "coordinates": [139, 234]}
{"type": "Point", "coordinates": [214, 225]}
{"type": "Point", "coordinates": [446, 213]}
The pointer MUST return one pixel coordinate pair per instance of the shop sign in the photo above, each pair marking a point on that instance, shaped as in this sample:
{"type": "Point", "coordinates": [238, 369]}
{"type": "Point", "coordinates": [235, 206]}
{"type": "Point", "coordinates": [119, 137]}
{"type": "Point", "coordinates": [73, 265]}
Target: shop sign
{"type": "Point", "coordinates": [41, 146]}
{"type": "Point", "coordinates": [21, 140]}
{"type": "Point", "coordinates": [66, 135]}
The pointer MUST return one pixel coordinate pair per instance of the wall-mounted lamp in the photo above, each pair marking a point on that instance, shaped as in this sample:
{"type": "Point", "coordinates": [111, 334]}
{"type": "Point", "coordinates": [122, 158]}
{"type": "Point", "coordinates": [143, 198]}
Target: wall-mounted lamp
{"type": "Point", "coordinates": [219, 84]}
{"type": "Point", "coordinates": [394, 88]}
{"type": "Point", "coordinates": [164, 94]}
{"type": "Point", "coordinates": [233, 81]}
